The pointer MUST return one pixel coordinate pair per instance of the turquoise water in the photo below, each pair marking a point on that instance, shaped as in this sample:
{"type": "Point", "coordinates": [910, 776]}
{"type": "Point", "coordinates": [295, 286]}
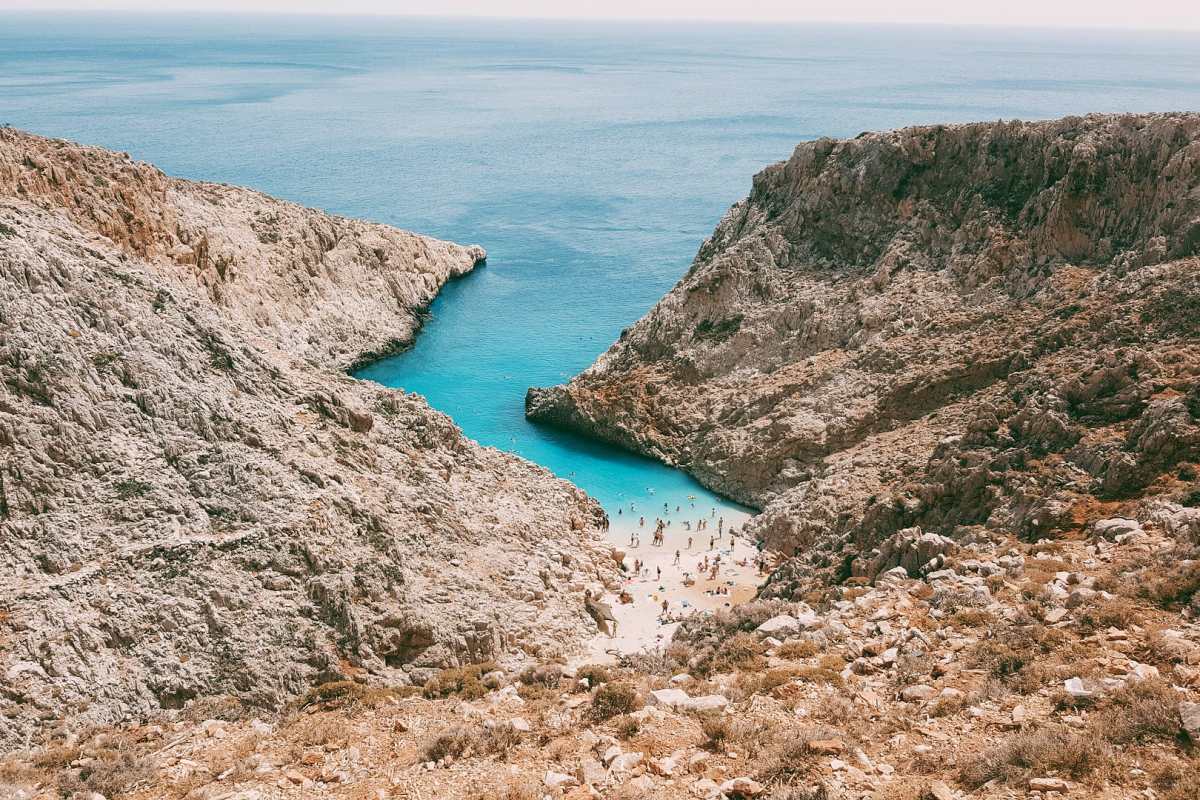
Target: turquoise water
{"type": "Point", "coordinates": [590, 161]}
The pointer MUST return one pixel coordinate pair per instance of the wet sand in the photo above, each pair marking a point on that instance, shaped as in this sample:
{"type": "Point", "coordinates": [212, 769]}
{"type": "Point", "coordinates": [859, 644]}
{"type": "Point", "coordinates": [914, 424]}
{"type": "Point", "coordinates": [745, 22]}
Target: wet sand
{"type": "Point", "coordinates": [640, 624]}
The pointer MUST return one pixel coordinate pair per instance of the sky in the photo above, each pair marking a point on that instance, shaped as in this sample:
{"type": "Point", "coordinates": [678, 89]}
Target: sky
{"type": "Point", "coordinates": [1143, 14]}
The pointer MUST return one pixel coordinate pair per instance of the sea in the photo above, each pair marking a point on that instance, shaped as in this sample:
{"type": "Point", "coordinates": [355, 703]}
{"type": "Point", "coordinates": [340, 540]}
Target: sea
{"type": "Point", "coordinates": [590, 159]}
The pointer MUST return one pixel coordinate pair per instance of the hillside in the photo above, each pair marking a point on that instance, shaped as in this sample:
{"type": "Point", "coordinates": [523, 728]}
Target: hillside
{"type": "Point", "coordinates": [196, 502]}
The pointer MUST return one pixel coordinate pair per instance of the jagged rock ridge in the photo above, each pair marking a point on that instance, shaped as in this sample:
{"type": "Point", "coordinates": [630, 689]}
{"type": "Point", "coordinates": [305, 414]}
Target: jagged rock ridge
{"type": "Point", "coordinates": [196, 501]}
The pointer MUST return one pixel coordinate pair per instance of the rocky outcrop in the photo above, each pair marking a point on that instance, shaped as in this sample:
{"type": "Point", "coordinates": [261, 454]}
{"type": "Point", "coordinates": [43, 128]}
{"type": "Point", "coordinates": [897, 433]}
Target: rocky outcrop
{"type": "Point", "coordinates": [196, 501]}
{"type": "Point", "coordinates": [939, 327]}
{"type": "Point", "coordinates": [332, 291]}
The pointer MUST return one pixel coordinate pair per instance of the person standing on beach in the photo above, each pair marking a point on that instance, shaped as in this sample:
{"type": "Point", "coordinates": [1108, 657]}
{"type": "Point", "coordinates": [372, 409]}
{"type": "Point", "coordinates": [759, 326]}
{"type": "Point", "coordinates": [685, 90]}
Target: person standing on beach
{"type": "Point", "coordinates": [676, 556]}
{"type": "Point", "coordinates": [711, 541]}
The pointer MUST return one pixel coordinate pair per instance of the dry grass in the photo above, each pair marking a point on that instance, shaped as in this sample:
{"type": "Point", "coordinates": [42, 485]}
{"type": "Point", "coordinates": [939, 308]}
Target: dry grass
{"type": "Point", "coordinates": [319, 730]}
{"type": "Point", "coordinates": [1040, 751]}
{"type": "Point", "coordinates": [827, 670]}
{"type": "Point", "coordinates": [512, 789]}
{"type": "Point", "coordinates": [1115, 613]}
{"type": "Point", "coordinates": [787, 762]}
{"type": "Point", "coordinates": [972, 618]}
{"type": "Point", "coordinates": [335, 694]}
{"type": "Point", "coordinates": [797, 650]}
{"type": "Point", "coordinates": [1140, 711]}
{"type": "Point", "coordinates": [1018, 656]}
{"type": "Point", "coordinates": [111, 769]}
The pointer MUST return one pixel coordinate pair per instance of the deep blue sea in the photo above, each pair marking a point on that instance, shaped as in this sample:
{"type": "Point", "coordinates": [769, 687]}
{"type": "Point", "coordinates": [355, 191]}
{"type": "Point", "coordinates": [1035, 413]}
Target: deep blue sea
{"type": "Point", "coordinates": [589, 159]}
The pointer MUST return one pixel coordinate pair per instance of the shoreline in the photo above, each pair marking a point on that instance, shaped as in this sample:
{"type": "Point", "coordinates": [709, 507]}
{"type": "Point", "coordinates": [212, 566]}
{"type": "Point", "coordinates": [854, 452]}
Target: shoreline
{"type": "Point", "coordinates": [640, 625]}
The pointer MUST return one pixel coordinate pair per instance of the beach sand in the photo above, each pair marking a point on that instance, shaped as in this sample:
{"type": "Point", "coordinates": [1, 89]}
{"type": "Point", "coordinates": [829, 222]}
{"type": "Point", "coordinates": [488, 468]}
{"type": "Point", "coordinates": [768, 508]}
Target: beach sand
{"type": "Point", "coordinates": [640, 626]}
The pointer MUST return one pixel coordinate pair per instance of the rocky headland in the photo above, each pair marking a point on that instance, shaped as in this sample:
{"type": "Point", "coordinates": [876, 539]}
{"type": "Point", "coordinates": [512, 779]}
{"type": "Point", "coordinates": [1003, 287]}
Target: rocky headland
{"type": "Point", "coordinates": [196, 502]}
{"type": "Point", "coordinates": [956, 328]}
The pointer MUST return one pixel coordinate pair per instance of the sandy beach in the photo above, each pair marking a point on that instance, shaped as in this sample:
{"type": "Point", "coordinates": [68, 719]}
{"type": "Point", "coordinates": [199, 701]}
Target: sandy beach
{"type": "Point", "coordinates": [641, 624]}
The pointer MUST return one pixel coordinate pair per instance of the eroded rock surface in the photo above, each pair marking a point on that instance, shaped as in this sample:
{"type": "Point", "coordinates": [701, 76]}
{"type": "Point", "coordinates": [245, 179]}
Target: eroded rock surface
{"type": "Point", "coordinates": [933, 328]}
{"type": "Point", "coordinates": [196, 501]}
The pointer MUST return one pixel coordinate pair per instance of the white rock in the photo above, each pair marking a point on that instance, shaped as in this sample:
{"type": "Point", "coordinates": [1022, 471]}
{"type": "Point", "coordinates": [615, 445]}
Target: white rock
{"type": "Point", "coordinates": [626, 762]}
{"type": "Point", "coordinates": [557, 780]}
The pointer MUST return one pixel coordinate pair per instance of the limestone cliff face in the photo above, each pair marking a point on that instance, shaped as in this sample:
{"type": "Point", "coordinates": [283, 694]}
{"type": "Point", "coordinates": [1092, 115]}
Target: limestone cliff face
{"type": "Point", "coordinates": [190, 506]}
{"type": "Point", "coordinates": [990, 324]}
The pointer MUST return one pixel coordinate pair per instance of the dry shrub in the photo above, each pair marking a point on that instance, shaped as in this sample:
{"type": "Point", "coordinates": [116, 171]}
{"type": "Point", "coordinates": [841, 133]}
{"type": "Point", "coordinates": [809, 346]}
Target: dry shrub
{"type": "Point", "coordinates": [1138, 712]}
{"type": "Point", "coordinates": [1036, 752]}
{"type": "Point", "coordinates": [613, 699]}
{"type": "Point", "coordinates": [232, 759]}
{"type": "Point", "coordinates": [321, 729]}
{"type": "Point", "coordinates": [787, 762]}
{"type": "Point", "coordinates": [748, 736]}
{"type": "Point", "coordinates": [817, 792]}
{"type": "Point", "coordinates": [537, 693]}
{"type": "Point", "coordinates": [109, 772]}
{"type": "Point", "coordinates": [972, 618]}
{"type": "Point", "coordinates": [949, 706]}
{"type": "Point", "coordinates": [740, 651]}
{"type": "Point", "coordinates": [834, 708]}
{"type": "Point", "coordinates": [499, 739]}
{"type": "Point", "coordinates": [627, 726]}
{"type": "Point", "coordinates": [595, 674]}
{"type": "Point", "coordinates": [454, 743]}
{"type": "Point", "coordinates": [698, 638]}
{"type": "Point", "coordinates": [828, 669]}
{"type": "Point", "coordinates": [513, 789]}
{"type": "Point", "coordinates": [223, 707]}
{"type": "Point", "coordinates": [465, 682]}
{"type": "Point", "coordinates": [668, 661]}
{"type": "Point", "coordinates": [797, 649]}
{"type": "Point", "coordinates": [1178, 780]}
{"type": "Point", "coordinates": [749, 684]}
{"type": "Point", "coordinates": [1172, 586]}
{"type": "Point", "coordinates": [717, 730]}
{"type": "Point", "coordinates": [1115, 613]}
{"type": "Point", "coordinates": [56, 756]}
{"type": "Point", "coordinates": [1017, 656]}
{"type": "Point", "coordinates": [911, 667]}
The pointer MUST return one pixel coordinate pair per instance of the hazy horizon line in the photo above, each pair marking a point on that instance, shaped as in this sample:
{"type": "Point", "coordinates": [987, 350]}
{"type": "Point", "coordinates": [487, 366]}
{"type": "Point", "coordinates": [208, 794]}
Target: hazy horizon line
{"type": "Point", "coordinates": [620, 20]}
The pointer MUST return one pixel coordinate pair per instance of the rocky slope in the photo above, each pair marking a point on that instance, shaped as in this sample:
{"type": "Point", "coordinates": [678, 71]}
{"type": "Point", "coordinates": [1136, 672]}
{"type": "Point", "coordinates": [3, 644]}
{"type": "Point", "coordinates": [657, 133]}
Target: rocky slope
{"type": "Point", "coordinates": [941, 329]}
{"type": "Point", "coordinates": [195, 501]}
{"type": "Point", "coordinates": [1012, 671]}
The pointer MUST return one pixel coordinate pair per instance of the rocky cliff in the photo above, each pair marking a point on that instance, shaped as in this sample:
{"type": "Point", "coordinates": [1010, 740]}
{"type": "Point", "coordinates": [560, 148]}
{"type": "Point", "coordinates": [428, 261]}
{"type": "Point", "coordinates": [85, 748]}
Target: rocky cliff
{"type": "Point", "coordinates": [948, 328]}
{"type": "Point", "coordinates": [196, 501]}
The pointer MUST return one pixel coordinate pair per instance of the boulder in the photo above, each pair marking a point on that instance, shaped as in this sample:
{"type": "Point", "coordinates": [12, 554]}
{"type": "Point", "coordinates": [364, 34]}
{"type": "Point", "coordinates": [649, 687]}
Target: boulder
{"type": "Point", "coordinates": [917, 693]}
{"type": "Point", "coordinates": [1113, 527]}
{"type": "Point", "coordinates": [742, 787]}
{"type": "Point", "coordinates": [1189, 713]}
